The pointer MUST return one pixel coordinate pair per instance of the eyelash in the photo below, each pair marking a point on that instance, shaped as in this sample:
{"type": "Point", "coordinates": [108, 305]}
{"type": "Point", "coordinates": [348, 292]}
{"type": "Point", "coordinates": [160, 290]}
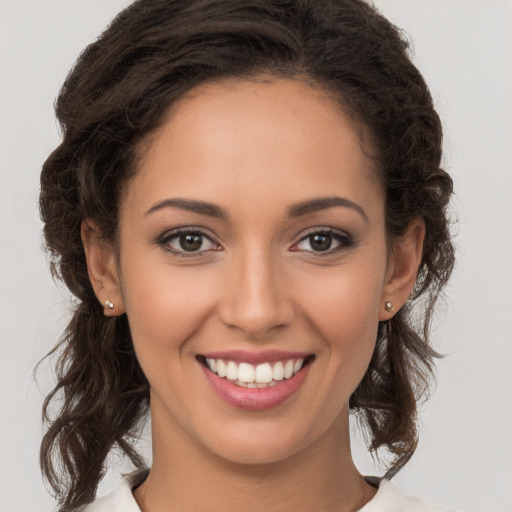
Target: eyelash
{"type": "Point", "coordinates": [167, 237]}
{"type": "Point", "coordinates": [345, 240]}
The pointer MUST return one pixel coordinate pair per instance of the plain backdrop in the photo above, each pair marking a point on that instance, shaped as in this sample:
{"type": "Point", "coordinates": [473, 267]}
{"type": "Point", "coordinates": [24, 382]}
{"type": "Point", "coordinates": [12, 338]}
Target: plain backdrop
{"type": "Point", "coordinates": [464, 49]}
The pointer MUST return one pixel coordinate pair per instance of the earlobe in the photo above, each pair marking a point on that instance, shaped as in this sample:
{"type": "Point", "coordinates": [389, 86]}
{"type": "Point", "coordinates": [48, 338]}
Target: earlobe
{"type": "Point", "coordinates": [402, 269]}
{"type": "Point", "coordinates": [102, 268]}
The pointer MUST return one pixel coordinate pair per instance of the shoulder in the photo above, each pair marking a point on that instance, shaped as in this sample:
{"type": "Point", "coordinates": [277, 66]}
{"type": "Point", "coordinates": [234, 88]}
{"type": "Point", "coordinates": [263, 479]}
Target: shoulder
{"type": "Point", "coordinates": [121, 500]}
{"type": "Point", "coordinates": [390, 498]}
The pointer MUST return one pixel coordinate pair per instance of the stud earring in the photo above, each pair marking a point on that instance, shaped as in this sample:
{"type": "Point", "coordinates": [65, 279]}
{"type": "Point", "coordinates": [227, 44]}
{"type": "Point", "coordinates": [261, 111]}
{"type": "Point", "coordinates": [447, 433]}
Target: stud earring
{"type": "Point", "coordinates": [388, 306]}
{"type": "Point", "coordinates": [109, 305]}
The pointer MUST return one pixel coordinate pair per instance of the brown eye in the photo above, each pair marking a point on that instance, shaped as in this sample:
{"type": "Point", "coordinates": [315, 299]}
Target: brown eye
{"type": "Point", "coordinates": [320, 242]}
{"type": "Point", "coordinates": [187, 243]}
{"type": "Point", "coordinates": [324, 242]}
{"type": "Point", "coordinates": [190, 242]}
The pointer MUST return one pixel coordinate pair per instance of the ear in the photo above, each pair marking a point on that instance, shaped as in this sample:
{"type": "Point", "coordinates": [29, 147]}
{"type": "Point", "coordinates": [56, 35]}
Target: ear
{"type": "Point", "coordinates": [102, 269]}
{"type": "Point", "coordinates": [402, 270]}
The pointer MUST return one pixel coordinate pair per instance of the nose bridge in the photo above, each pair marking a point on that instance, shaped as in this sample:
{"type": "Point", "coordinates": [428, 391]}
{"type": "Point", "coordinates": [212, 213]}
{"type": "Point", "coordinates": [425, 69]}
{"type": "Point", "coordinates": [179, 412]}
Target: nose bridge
{"type": "Point", "coordinates": [256, 301]}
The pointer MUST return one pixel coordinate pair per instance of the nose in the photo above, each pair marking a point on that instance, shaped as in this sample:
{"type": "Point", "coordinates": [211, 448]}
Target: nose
{"type": "Point", "coordinates": [257, 298]}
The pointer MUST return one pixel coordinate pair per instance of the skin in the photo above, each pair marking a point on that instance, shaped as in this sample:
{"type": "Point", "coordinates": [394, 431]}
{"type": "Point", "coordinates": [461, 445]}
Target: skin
{"type": "Point", "coordinates": [255, 149]}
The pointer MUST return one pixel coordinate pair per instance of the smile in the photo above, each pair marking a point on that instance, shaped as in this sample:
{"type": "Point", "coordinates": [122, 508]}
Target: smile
{"type": "Point", "coordinates": [263, 375]}
{"type": "Point", "coordinates": [255, 381]}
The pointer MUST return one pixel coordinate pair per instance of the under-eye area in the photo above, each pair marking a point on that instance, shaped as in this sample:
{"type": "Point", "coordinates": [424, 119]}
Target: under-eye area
{"type": "Point", "coordinates": [263, 375]}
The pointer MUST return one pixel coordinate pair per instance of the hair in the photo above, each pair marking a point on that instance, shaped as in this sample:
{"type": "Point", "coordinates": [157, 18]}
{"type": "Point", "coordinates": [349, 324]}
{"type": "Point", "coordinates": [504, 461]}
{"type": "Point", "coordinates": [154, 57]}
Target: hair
{"type": "Point", "coordinates": [119, 92]}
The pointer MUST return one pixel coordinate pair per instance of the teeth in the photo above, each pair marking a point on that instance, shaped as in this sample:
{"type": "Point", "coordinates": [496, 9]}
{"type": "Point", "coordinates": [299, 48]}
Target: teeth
{"type": "Point", "coordinates": [263, 373]}
{"type": "Point", "coordinates": [277, 371]}
{"type": "Point", "coordinates": [221, 367]}
{"type": "Point", "coordinates": [232, 371]}
{"type": "Point", "coordinates": [288, 369]}
{"type": "Point", "coordinates": [246, 372]}
{"type": "Point", "coordinates": [261, 376]}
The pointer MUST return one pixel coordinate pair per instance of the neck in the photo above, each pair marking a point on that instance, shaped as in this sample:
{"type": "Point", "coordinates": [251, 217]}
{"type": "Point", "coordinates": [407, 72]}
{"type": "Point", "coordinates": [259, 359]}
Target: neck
{"type": "Point", "coordinates": [185, 477]}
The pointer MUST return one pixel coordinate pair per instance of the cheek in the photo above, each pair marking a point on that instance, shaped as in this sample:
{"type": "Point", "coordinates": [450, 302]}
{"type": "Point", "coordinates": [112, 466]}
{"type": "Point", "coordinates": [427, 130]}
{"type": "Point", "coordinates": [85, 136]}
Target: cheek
{"type": "Point", "coordinates": [346, 299]}
{"type": "Point", "coordinates": [343, 310]}
{"type": "Point", "coordinates": [164, 306]}
{"type": "Point", "coordinates": [353, 316]}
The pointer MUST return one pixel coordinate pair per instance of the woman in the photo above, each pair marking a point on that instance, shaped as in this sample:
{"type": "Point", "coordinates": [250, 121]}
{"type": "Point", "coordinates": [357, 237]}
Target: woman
{"type": "Point", "coordinates": [247, 202]}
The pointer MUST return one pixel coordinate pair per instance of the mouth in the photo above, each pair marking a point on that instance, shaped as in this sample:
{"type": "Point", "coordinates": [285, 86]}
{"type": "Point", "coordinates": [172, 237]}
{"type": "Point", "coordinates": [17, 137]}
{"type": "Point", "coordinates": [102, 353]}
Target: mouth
{"type": "Point", "coordinates": [249, 375]}
{"type": "Point", "coordinates": [255, 382]}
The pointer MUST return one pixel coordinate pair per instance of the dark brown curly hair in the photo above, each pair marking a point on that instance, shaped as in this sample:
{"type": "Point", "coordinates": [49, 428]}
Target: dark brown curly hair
{"type": "Point", "coordinates": [119, 92]}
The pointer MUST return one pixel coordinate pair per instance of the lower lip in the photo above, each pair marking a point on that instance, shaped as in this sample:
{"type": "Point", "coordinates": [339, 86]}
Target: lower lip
{"type": "Point", "coordinates": [255, 399]}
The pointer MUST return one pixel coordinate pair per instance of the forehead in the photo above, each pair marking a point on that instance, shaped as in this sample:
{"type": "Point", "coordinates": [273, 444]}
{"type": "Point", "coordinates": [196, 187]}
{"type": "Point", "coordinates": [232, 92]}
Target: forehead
{"type": "Point", "coordinates": [280, 140]}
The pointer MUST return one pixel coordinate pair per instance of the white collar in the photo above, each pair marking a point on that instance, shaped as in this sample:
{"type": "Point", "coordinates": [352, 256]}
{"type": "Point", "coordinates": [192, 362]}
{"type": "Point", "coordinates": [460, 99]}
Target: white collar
{"type": "Point", "coordinates": [388, 498]}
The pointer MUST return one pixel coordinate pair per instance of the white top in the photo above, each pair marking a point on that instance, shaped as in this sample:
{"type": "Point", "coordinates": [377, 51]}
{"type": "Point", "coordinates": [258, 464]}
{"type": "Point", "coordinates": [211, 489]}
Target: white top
{"type": "Point", "coordinates": [388, 499]}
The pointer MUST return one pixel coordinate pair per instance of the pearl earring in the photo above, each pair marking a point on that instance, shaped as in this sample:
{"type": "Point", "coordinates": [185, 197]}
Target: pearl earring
{"type": "Point", "coordinates": [388, 306]}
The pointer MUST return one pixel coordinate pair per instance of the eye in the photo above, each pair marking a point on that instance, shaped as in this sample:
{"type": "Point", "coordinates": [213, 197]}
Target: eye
{"type": "Point", "coordinates": [187, 242]}
{"type": "Point", "coordinates": [324, 241]}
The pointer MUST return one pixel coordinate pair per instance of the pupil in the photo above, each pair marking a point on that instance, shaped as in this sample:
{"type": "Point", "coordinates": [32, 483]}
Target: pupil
{"type": "Point", "coordinates": [321, 242]}
{"type": "Point", "coordinates": [190, 242]}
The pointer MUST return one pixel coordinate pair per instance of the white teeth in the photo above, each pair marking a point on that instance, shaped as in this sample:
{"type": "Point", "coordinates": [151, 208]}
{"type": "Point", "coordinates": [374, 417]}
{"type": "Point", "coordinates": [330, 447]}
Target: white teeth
{"type": "Point", "coordinates": [288, 369]}
{"type": "Point", "coordinates": [263, 373]}
{"type": "Point", "coordinates": [232, 371]}
{"type": "Point", "coordinates": [261, 376]}
{"type": "Point", "coordinates": [221, 367]}
{"type": "Point", "coordinates": [246, 372]}
{"type": "Point", "coordinates": [278, 371]}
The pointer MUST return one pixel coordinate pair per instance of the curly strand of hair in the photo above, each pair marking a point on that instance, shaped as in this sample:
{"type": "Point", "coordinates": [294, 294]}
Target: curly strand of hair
{"type": "Point", "coordinates": [386, 399]}
{"type": "Point", "coordinates": [105, 396]}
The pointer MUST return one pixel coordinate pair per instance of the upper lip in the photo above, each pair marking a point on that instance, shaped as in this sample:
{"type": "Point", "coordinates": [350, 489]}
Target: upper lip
{"type": "Point", "coordinates": [265, 356]}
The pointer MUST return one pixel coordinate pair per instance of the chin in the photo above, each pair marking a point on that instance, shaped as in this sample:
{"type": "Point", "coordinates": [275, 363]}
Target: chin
{"type": "Point", "coordinates": [265, 441]}
{"type": "Point", "coordinates": [262, 451]}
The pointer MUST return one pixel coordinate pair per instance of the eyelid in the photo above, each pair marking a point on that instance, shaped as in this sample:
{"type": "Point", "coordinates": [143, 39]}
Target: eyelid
{"type": "Point", "coordinates": [346, 240]}
{"type": "Point", "coordinates": [164, 239]}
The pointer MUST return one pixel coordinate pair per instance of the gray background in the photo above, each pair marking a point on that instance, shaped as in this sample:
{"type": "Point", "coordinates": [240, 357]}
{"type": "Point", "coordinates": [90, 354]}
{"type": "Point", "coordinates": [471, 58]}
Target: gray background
{"type": "Point", "coordinates": [464, 48]}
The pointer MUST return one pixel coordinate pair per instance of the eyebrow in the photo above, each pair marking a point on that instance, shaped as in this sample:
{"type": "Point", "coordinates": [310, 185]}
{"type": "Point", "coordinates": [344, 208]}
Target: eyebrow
{"type": "Point", "coordinates": [322, 203]}
{"type": "Point", "coordinates": [201, 207]}
{"type": "Point", "coordinates": [298, 210]}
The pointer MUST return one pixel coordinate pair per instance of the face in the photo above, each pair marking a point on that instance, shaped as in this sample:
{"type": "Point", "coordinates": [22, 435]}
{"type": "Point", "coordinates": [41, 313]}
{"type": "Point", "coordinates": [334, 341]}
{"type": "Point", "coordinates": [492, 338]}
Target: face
{"type": "Point", "coordinates": [253, 268]}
